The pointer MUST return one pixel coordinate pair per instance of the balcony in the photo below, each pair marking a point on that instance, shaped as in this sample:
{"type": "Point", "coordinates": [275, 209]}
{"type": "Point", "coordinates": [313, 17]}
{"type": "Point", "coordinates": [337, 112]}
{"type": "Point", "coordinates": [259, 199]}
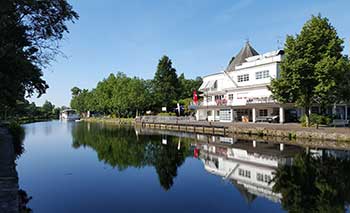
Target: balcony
{"type": "Point", "coordinates": [224, 102]}
{"type": "Point", "coordinates": [261, 100]}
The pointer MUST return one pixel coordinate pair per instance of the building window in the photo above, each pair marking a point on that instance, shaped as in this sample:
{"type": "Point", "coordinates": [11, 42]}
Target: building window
{"type": "Point", "coordinates": [219, 97]}
{"type": "Point", "coordinates": [218, 113]}
{"type": "Point", "coordinates": [262, 74]}
{"type": "Point", "coordinates": [209, 113]}
{"type": "Point", "coordinates": [215, 86]}
{"type": "Point", "coordinates": [209, 99]}
{"type": "Point", "coordinates": [263, 112]}
{"type": "Point", "coordinates": [244, 77]}
{"type": "Point", "coordinates": [263, 178]}
{"type": "Point", "coordinates": [230, 97]}
{"type": "Point", "coordinates": [244, 173]}
{"type": "Point", "coordinates": [225, 114]}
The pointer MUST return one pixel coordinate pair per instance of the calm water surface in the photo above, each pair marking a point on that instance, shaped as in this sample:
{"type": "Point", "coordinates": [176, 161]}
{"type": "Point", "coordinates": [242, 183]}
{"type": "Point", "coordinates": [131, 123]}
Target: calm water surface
{"type": "Point", "coordinates": [83, 167]}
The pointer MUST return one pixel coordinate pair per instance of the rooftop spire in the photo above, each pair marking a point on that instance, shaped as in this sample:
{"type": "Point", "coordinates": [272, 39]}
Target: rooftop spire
{"type": "Point", "coordinates": [246, 52]}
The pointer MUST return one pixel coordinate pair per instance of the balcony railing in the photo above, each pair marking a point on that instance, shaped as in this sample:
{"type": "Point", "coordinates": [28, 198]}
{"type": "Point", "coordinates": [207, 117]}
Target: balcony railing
{"type": "Point", "coordinates": [238, 102]}
{"type": "Point", "coordinates": [262, 100]}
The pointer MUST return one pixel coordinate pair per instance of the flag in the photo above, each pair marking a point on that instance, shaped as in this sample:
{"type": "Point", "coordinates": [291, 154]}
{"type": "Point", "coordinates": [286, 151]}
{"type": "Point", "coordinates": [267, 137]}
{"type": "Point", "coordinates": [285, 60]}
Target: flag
{"type": "Point", "coordinates": [195, 97]}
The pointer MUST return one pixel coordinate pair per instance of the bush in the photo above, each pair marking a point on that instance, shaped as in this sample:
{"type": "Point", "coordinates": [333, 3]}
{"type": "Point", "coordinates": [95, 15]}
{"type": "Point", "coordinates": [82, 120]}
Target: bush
{"type": "Point", "coordinates": [315, 120]}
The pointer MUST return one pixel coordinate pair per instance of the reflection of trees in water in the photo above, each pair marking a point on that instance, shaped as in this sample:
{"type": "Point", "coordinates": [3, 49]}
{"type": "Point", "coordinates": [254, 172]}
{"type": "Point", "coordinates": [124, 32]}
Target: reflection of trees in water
{"type": "Point", "coordinates": [121, 148]}
{"type": "Point", "coordinates": [314, 184]}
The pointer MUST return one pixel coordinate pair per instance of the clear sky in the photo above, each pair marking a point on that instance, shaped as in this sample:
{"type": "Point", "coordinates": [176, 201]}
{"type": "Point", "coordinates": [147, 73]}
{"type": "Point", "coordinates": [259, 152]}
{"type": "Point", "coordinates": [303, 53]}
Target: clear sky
{"type": "Point", "coordinates": [200, 36]}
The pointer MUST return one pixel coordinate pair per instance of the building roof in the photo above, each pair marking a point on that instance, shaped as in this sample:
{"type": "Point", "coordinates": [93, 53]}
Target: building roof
{"type": "Point", "coordinates": [246, 52]}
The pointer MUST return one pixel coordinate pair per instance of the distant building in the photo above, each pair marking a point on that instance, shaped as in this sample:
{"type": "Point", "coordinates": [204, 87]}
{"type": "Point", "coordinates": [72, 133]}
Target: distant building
{"type": "Point", "coordinates": [69, 115]}
{"type": "Point", "coordinates": [240, 93]}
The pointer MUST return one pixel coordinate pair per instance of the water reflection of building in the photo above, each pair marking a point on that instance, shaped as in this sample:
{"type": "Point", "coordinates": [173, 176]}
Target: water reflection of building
{"type": "Point", "coordinates": [335, 153]}
{"type": "Point", "coordinates": [250, 166]}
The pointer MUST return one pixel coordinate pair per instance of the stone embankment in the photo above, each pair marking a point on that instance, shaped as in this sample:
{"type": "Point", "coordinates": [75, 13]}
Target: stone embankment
{"type": "Point", "coordinates": [287, 131]}
{"type": "Point", "coordinates": [292, 131]}
{"type": "Point", "coordinates": [9, 201]}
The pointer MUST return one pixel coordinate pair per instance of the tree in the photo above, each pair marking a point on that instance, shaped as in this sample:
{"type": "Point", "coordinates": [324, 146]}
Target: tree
{"type": "Point", "coordinates": [75, 91]}
{"type": "Point", "coordinates": [80, 99]}
{"type": "Point", "coordinates": [313, 68]}
{"type": "Point", "coordinates": [166, 84]}
{"type": "Point", "coordinates": [48, 107]}
{"type": "Point", "coordinates": [29, 35]}
{"type": "Point", "coordinates": [118, 95]}
{"type": "Point", "coordinates": [123, 149]}
{"type": "Point", "coordinates": [314, 184]}
{"type": "Point", "coordinates": [187, 86]}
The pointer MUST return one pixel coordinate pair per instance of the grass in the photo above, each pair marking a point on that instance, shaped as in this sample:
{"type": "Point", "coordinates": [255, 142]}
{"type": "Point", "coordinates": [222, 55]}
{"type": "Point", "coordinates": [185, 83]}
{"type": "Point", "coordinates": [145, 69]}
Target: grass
{"type": "Point", "coordinates": [112, 120]}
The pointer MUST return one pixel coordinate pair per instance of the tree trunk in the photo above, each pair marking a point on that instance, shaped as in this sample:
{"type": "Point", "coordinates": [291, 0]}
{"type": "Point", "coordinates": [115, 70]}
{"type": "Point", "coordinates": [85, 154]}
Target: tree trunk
{"type": "Point", "coordinates": [307, 113]}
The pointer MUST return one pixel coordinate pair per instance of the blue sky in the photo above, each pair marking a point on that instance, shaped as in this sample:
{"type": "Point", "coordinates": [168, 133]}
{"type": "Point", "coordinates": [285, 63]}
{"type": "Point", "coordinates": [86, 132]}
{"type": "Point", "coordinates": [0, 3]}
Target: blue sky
{"type": "Point", "coordinates": [200, 36]}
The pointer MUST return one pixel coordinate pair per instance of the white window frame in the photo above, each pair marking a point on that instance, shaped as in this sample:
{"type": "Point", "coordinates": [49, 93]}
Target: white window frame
{"type": "Point", "coordinates": [243, 77]}
{"type": "Point", "coordinates": [230, 97]}
{"type": "Point", "coordinates": [262, 74]}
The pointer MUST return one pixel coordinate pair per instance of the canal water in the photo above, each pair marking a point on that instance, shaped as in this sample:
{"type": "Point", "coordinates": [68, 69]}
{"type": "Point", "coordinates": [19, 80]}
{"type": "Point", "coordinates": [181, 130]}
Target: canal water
{"type": "Point", "coordinates": [86, 167]}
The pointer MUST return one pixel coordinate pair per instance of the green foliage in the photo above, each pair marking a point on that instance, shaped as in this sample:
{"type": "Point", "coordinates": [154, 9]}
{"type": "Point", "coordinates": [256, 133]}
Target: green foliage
{"type": "Point", "coordinates": [187, 86]}
{"type": "Point", "coordinates": [314, 184]}
{"type": "Point", "coordinates": [123, 96]}
{"type": "Point", "coordinates": [292, 135]}
{"type": "Point", "coordinates": [313, 71]}
{"type": "Point", "coordinates": [29, 35]}
{"type": "Point", "coordinates": [166, 84]}
{"type": "Point", "coordinates": [48, 107]}
{"type": "Point", "coordinates": [17, 133]}
{"type": "Point", "coordinates": [24, 112]}
{"type": "Point", "coordinates": [118, 95]}
{"type": "Point", "coordinates": [186, 104]}
{"type": "Point", "coordinates": [121, 148]}
{"type": "Point", "coordinates": [315, 120]}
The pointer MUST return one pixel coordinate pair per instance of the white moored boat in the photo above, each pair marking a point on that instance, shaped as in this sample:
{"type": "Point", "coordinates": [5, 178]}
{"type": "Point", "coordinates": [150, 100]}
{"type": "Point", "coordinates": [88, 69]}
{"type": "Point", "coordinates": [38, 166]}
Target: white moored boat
{"type": "Point", "coordinates": [69, 115]}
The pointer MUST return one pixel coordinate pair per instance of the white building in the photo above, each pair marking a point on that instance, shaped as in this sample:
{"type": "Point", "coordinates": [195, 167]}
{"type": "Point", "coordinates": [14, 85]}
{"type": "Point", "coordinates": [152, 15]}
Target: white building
{"type": "Point", "coordinates": [240, 93]}
{"type": "Point", "coordinates": [69, 115]}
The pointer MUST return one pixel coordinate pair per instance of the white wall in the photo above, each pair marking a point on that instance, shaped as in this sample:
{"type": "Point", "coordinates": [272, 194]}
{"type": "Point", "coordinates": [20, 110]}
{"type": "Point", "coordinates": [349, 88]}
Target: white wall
{"type": "Point", "coordinates": [254, 88]}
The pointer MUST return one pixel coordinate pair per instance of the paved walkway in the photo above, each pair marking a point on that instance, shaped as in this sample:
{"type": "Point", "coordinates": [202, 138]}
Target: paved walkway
{"type": "Point", "coordinates": [272, 126]}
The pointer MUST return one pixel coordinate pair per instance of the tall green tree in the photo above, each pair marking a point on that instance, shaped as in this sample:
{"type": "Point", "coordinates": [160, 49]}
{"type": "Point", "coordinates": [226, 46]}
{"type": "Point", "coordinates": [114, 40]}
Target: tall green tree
{"type": "Point", "coordinates": [313, 70]}
{"type": "Point", "coordinates": [80, 99]}
{"type": "Point", "coordinates": [119, 95]}
{"type": "Point", "coordinates": [166, 84]}
{"type": "Point", "coordinates": [187, 86]}
{"type": "Point", "coordinates": [29, 35]}
{"type": "Point", "coordinates": [48, 107]}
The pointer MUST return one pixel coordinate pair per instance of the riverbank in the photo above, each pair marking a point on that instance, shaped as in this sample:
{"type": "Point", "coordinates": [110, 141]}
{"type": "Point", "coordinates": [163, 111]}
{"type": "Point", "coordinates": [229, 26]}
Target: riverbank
{"type": "Point", "coordinates": [8, 174]}
{"type": "Point", "coordinates": [289, 131]}
{"type": "Point", "coordinates": [119, 121]}
{"type": "Point", "coordinates": [26, 120]}
{"type": "Point", "coordinates": [293, 131]}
